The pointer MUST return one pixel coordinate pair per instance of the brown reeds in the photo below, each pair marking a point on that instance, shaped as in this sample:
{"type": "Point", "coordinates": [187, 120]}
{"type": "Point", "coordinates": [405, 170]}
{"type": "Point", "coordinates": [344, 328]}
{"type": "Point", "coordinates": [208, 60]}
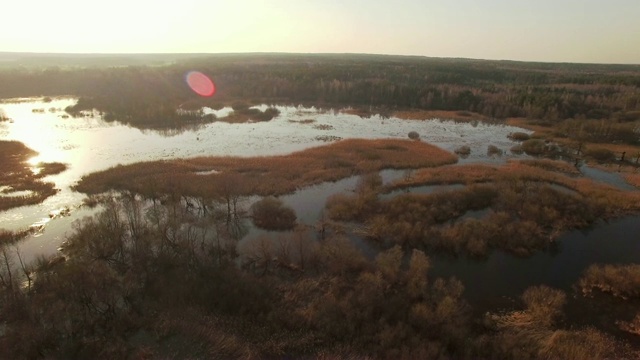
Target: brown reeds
{"type": "Point", "coordinates": [269, 175]}
{"type": "Point", "coordinates": [17, 176]}
{"type": "Point", "coordinates": [439, 114]}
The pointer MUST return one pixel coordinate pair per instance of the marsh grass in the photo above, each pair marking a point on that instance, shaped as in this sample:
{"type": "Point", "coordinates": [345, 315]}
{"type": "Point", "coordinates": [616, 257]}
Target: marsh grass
{"type": "Point", "coordinates": [244, 114]}
{"type": "Point", "coordinates": [17, 175]}
{"type": "Point", "coordinates": [269, 175]}
{"type": "Point", "coordinates": [552, 165]}
{"type": "Point", "coordinates": [632, 179]}
{"type": "Point", "coordinates": [598, 149]}
{"type": "Point", "coordinates": [462, 116]}
{"type": "Point", "coordinates": [618, 280]}
{"type": "Point", "coordinates": [524, 213]}
{"type": "Point", "coordinates": [613, 200]}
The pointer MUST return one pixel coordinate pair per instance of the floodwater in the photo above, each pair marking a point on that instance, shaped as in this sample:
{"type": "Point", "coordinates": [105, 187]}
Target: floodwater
{"type": "Point", "coordinates": [491, 281]}
{"type": "Point", "coordinates": [89, 144]}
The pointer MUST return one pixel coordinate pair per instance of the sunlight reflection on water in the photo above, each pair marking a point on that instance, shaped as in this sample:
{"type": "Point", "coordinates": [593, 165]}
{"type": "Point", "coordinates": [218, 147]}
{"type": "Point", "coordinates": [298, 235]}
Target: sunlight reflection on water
{"type": "Point", "coordinates": [90, 144]}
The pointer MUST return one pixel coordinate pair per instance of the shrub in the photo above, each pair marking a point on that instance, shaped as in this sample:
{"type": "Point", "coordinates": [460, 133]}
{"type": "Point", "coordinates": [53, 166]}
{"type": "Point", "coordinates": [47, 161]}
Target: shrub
{"type": "Point", "coordinates": [517, 149]}
{"type": "Point", "coordinates": [619, 280]}
{"type": "Point", "coordinates": [463, 150]}
{"type": "Point", "coordinates": [270, 213]}
{"type": "Point", "coordinates": [519, 136]}
{"type": "Point", "coordinates": [600, 154]}
{"type": "Point", "coordinates": [534, 147]}
{"type": "Point", "coordinates": [493, 150]}
{"type": "Point", "coordinates": [544, 304]}
{"type": "Point", "coordinates": [413, 135]}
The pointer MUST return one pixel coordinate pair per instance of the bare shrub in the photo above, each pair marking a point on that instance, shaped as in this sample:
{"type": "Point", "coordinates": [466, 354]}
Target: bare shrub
{"type": "Point", "coordinates": [519, 136]}
{"type": "Point", "coordinates": [544, 303]}
{"type": "Point", "coordinates": [463, 150]}
{"type": "Point", "coordinates": [517, 149]}
{"type": "Point", "coordinates": [600, 154]}
{"type": "Point", "coordinates": [493, 150]}
{"type": "Point", "coordinates": [534, 147]}
{"type": "Point", "coordinates": [270, 213]}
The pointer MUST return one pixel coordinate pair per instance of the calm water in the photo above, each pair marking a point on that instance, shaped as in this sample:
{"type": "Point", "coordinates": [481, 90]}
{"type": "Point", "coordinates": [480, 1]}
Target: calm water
{"type": "Point", "coordinates": [90, 144]}
{"type": "Point", "coordinates": [503, 275]}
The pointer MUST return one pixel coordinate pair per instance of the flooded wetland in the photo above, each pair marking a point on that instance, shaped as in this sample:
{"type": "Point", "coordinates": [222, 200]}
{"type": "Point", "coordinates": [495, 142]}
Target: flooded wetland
{"type": "Point", "coordinates": [332, 225]}
{"type": "Point", "coordinates": [88, 144]}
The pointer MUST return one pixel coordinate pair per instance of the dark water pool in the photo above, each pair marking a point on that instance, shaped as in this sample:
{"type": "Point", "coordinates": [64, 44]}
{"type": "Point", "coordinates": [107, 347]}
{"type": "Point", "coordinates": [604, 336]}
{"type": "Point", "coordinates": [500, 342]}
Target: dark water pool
{"type": "Point", "coordinates": [502, 275]}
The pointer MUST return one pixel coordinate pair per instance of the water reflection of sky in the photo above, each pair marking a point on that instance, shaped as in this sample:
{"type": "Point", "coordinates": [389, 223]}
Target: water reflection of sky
{"type": "Point", "coordinates": [89, 144]}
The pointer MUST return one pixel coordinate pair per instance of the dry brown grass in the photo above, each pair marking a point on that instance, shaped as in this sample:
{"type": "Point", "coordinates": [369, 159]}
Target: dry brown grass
{"type": "Point", "coordinates": [632, 179]}
{"type": "Point", "coordinates": [552, 165]}
{"type": "Point", "coordinates": [548, 132]}
{"type": "Point", "coordinates": [613, 200]}
{"type": "Point", "coordinates": [439, 114]}
{"type": "Point", "coordinates": [16, 175]}
{"type": "Point", "coordinates": [619, 280]}
{"type": "Point", "coordinates": [272, 175]}
{"type": "Point", "coordinates": [362, 112]}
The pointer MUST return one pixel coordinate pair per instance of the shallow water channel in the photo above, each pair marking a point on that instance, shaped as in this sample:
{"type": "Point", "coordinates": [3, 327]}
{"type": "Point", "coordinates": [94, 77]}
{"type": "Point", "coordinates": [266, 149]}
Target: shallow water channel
{"type": "Point", "coordinates": [89, 144]}
{"type": "Point", "coordinates": [501, 276]}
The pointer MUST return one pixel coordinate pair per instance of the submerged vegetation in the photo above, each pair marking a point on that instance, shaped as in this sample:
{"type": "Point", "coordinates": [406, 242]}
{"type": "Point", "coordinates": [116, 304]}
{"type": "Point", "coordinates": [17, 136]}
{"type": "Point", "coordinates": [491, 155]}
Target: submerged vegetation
{"type": "Point", "coordinates": [20, 182]}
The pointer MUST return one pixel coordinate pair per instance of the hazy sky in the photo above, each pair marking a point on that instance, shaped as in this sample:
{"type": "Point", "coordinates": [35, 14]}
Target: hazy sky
{"type": "Point", "coordinates": [544, 30]}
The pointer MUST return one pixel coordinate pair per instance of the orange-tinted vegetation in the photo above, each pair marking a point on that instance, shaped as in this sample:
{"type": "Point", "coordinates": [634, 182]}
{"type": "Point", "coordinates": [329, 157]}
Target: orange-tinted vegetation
{"type": "Point", "coordinates": [271, 214]}
{"type": "Point", "coordinates": [535, 333]}
{"type": "Point", "coordinates": [439, 114]}
{"type": "Point", "coordinates": [633, 179]}
{"type": "Point", "coordinates": [599, 141]}
{"type": "Point", "coordinates": [273, 175]}
{"type": "Point", "coordinates": [16, 175]}
{"type": "Point", "coordinates": [615, 201]}
{"type": "Point", "coordinates": [621, 283]}
{"type": "Point", "coordinates": [168, 284]}
{"type": "Point", "coordinates": [552, 165]}
{"type": "Point", "coordinates": [618, 280]}
{"type": "Point", "coordinates": [524, 207]}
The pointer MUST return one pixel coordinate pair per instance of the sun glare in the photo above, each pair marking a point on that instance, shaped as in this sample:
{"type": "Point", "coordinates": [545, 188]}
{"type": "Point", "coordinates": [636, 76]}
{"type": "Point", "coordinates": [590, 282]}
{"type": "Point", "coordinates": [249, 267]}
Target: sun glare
{"type": "Point", "coordinates": [200, 83]}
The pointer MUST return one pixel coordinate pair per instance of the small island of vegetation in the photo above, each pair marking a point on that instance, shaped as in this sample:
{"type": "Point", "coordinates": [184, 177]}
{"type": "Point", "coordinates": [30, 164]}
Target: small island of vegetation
{"type": "Point", "coordinates": [21, 183]}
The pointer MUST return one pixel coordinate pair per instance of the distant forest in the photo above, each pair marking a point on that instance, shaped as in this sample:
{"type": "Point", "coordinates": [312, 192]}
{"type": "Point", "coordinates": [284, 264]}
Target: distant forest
{"type": "Point", "coordinates": [497, 89]}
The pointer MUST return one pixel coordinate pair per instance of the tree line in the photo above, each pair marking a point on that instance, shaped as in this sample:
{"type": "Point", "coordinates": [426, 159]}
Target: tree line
{"type": "Point", "coordinates": [496, 89]}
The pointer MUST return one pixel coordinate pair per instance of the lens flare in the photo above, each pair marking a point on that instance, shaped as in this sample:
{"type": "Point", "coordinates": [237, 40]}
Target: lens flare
{"type": "Point", "coordinates": [200, 83]}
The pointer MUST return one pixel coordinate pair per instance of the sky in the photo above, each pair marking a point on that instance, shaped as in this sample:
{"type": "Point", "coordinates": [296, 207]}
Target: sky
{"type": "Point", "coordinates": [592, 31]}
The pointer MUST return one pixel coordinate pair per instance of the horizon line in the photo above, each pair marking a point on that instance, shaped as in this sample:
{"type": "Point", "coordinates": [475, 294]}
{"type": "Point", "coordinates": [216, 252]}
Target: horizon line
{"type": "Point", "coordinates": [113, 54]}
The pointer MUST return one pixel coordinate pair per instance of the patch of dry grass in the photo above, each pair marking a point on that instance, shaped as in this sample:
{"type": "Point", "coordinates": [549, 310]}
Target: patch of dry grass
{"type": "Point", "coordinates": [632, 179]}
{"type": "Point", "coordinates": [550, 133]}
{"type": "Point", "coordinates": [270, 175]}
{"type": "Point", "coordinates": [552, 165]}
{"type": "Point", "coordinates": [618, 280]}
{"type": "Point", "coordinates": [17, 176]}
{"type": "Point", "coordinates": [439, 114]}
{"type": "Point", "coordinates": [613, 200]}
